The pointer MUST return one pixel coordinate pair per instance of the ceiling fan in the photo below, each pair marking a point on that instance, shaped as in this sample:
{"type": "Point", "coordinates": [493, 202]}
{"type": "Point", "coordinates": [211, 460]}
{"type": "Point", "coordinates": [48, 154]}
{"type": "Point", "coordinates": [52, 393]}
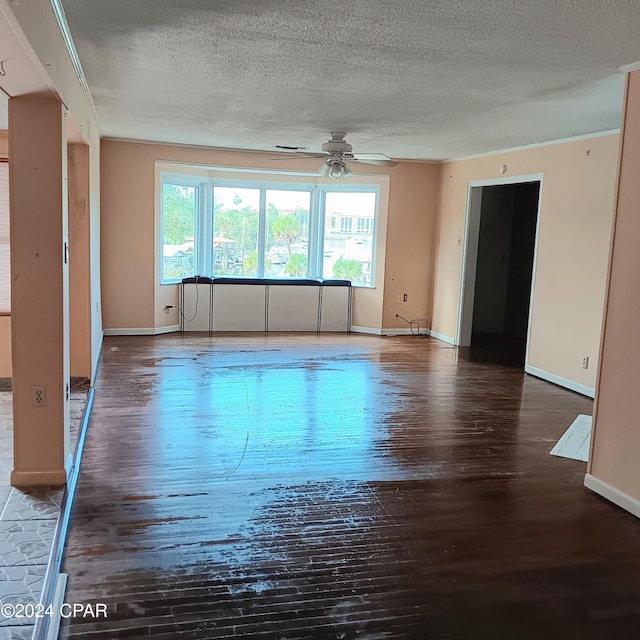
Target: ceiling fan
{"type": "Point", "coordinates": [337, 152]}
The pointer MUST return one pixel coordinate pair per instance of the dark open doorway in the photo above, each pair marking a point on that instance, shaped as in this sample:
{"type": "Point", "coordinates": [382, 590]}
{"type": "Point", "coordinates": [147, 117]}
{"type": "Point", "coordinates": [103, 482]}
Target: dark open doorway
{"type": "Point", "coordinates": [505, 229]}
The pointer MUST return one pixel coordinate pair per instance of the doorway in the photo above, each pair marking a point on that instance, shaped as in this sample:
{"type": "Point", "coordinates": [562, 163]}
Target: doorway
{"type": "Point", "coordinates": [499, 255]}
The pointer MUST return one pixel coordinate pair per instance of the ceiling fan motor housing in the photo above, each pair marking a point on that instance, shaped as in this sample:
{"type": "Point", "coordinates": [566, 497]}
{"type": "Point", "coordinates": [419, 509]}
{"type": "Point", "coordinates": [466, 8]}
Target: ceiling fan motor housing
{"type": "Point", "coordinates": [337, 146]}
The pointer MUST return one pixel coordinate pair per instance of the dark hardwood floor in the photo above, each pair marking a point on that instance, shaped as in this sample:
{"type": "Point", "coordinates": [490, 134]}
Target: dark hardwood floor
{"type": "Point", "coordinates": [498, 348]}
{"type": "Point", "coordinates": [339, 487]}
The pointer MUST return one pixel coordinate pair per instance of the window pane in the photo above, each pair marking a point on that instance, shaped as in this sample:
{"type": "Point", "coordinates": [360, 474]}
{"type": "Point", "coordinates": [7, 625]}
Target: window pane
{"type": "Point", "coordinates": [287, 234]}
{"type": "Point", "coordinates": [348, 243]}
{"type": "Point", "coordinates": [235, 231]}
{"type": "Point", "coordinates": [179, 210]}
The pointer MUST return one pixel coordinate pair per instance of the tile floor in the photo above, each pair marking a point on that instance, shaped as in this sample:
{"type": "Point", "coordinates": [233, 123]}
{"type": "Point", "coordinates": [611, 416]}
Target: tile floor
{"type": "Point", "coordinates": [576, 440]}
{"type": "Point", "coordinates": [28, 520]}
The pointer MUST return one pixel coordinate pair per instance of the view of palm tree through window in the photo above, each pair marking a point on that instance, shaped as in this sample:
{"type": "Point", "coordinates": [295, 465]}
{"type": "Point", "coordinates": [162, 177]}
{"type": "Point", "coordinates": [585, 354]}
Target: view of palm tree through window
{"type": "Point", "coordinates": [294, 236]}
{"type": "Point", "coordinates": [287, 242]}
{"type": "Point", "coordinates": [235, 231]}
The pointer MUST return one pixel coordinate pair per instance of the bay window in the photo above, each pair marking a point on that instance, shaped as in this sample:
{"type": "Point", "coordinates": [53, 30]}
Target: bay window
{"type": "Point", "coordinates": [265, 229]}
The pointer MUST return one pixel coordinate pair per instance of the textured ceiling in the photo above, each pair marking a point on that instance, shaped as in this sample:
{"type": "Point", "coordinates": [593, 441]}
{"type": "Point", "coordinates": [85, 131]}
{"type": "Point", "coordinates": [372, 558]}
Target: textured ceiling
{"type": "Point", "coordinates": [411, 79]}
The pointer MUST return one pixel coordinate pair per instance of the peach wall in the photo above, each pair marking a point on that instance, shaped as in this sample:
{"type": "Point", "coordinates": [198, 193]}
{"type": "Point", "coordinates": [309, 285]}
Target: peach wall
{"type": "Point", "coordinates": [410, 234]}
{"type": "Point", "coordinates": [126, 232]}
{"type": "Point", "coordinates": [5, 321]}
{"type": "Point", "coordinates": [577, 199]}
{"type": "Point", "coordinates": [132, 297]}
{"type": "Point", "coordinates": [616, 431]}
{"type": "Point", "coordinates": [39, 294]}
{"type": "Point", "coordinates": [79, 271]}
{"type": "Point", "coordinates": [40, 34]}
{"type": "Point", "coordinates": [5, 346]}
{"type": "Point", "coordinates": [79, 261]}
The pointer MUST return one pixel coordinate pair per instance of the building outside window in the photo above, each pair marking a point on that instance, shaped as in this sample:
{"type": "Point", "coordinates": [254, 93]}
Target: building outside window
{"type": "Point", "coordinates": [346, 223]}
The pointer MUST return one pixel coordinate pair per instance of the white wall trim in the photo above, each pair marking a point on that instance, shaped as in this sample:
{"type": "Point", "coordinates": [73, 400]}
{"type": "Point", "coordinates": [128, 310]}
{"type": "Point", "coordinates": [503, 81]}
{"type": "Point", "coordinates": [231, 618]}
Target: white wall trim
{"type": "Point", "coordinates": [400, 331]}
{"type": "Point", "coordinates": [628, 68]}
{"type": "Point", "coordinates": [503, 180]}
{"type": "Point", "coordinates": [560, 381]}
{"type": "Point", "coordinates": [405, 331]}
{"type": "Point", "coordinates": [467, 284]}
{"type": "Point", "coordinates": [61, 18]}
{"type": "Point", "coordinates": [370, 330]}
{"type": "Point", "coordinates": [435, 161]}
{"type": "Point", "coordinates": [153, 331]}
{"type": "Point", "coordinates": [623, 500]}
{"type": "Point", "coordinates": [443, 337]}
{"type": "Point", "coordinates": [536, 145]}
{"type": "Point", "coordinates": [471, 240]}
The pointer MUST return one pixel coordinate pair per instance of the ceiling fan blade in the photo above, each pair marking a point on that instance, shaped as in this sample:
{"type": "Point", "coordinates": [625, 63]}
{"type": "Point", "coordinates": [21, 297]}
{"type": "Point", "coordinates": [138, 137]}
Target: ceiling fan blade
{"type": "Point", "coordinates": [305, 154]}
{"type": "Point", "coordinates": [337, 149]}
{"type": "Point", "coordinates": [296, 155]}
{"type": "Point", "coordinates": [380, 162]}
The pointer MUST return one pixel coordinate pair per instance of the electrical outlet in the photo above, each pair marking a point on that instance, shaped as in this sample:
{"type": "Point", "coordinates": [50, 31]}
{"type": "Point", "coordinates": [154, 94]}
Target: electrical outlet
{"type": "Point", "coordinates": [585, 362]}
{"type": "Point", "coordinates": [405, 297]}
{"type": "Point", "coordinates": [39, 396]}
{"type": "Point", "coordinates": [396, 298]}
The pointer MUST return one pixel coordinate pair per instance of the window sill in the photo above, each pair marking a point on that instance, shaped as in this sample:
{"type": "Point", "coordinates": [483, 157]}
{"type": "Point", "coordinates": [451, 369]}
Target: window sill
{"type": "Point", "coordinates": [274, 281]}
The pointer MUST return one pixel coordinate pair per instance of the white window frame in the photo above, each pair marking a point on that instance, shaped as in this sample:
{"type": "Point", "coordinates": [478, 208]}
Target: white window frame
{"type": "Point", "coordinates": [183, 180]}
{"type": "Point", "coordinates": [196, 176]}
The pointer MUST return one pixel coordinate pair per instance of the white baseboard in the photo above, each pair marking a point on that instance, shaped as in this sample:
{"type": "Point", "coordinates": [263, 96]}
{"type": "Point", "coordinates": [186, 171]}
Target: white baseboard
{"type": "Point", "coordinates": [371, 330]}
{"type": "Point", "coordinates": [443, 337]}
{"type": "Point", "coordinates": [170, 329]}
{"type": "Point", "coordinates": [153, 331]}
{"type": "Point", "coordinates": [400, 331]}
{"type": "Point", "coordinates": [612, 494]}
{"type": "Point", "coordinates": [560, 381]}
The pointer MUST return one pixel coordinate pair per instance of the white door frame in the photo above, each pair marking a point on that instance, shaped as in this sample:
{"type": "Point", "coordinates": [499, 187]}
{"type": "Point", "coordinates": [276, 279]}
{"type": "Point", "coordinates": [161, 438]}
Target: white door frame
{"type": "Point", "coordinates": [471, 235]}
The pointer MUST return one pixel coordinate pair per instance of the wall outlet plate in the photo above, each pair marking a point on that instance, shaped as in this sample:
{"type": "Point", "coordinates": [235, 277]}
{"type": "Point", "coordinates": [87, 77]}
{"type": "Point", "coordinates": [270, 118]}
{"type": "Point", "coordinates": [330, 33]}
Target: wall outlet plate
{"type": "Point", "coordinates": [39, 396]}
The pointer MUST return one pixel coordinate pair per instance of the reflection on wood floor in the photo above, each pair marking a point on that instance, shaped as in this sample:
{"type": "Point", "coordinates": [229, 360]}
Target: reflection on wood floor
{"type": "Point", "coordinates": [346, 487]}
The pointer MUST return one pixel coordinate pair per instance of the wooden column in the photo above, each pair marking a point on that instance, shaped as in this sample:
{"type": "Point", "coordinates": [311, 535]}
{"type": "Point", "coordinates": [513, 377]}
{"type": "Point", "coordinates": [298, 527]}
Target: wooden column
{"type": "Point", "coordinates": [39, 291]}
{"type": "Point", "coordinates": [79, 262]}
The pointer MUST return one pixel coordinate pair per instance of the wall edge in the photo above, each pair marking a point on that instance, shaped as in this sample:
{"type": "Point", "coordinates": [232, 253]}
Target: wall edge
{"type": "Point", "coordinates": [560, 381]}
{"type": "Point", "coordinates": [619, 498]}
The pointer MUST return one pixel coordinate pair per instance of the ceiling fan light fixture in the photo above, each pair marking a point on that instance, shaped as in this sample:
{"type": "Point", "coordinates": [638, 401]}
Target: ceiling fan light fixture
{"type": "Point", "coordinates": [335, 168]}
